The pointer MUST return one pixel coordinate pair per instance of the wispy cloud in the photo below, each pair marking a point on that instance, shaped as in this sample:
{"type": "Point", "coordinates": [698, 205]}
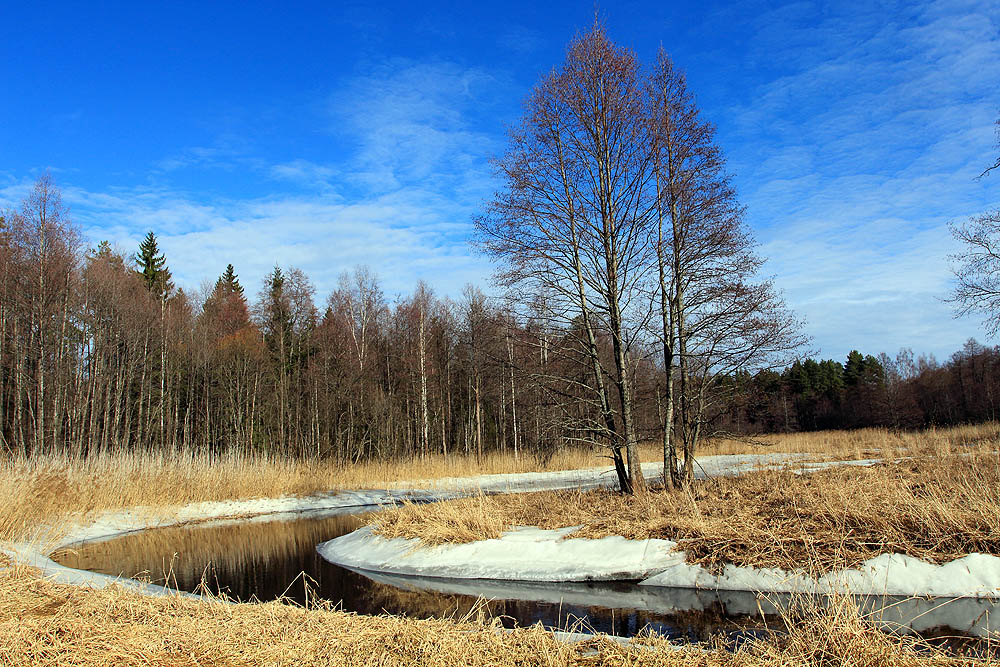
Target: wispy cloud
{"type": "Point", "coordinates": [401, 199]}
{"type": "Point", "coordinates": [413, 125]}
{"type": "Point", "coordinates": [521, 39]}
{"type": "Point", "coordinates": [402, 240]}
{"type": "Point", "coordinates": [854, 162]}
{"type": "Point", "coordinates": [227, 152]}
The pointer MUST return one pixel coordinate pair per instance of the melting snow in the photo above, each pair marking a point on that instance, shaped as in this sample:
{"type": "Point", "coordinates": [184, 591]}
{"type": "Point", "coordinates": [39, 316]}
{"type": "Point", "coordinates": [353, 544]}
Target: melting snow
{"type": "Point", "coordinates": [536, 555]}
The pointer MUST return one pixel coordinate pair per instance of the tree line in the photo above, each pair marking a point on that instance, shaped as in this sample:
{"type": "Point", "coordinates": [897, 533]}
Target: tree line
{"type": "Point", "coordinates": [101, 353]}
{"type": "Point", "coordinates": [901, 392]}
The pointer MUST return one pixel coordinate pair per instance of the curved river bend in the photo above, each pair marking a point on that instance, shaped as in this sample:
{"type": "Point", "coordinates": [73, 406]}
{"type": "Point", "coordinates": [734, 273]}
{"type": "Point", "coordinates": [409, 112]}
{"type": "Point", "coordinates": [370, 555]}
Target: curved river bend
{"type": "Point", "coordinates": [270, 558]}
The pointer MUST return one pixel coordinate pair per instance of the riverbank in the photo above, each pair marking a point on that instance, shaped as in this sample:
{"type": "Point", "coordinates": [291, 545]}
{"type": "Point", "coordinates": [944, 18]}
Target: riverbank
{"type": "Point", "coordinates": [67, 496]}
{"type": "Point", "coordinates": [47, 491]}
{"type": "Point", "coordinates": [45, 624]}
{"type": "Point", "coordinates": [35, 548]}
{"type": "Point", "coordinates": [933, 508]}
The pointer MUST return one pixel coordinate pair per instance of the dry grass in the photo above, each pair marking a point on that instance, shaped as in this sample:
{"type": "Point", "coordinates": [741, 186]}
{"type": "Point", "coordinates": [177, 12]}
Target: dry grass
{"type": "Point", "coordinates": [936, 509]}
{"type": "Point", "coordinates": [45, 624]}
{"type": "Point", "coordinates": [862, 443]}
{"type": "Point", "coordinates": [43, 491]}
{"type": "Point", "coordinates": [47, 491]}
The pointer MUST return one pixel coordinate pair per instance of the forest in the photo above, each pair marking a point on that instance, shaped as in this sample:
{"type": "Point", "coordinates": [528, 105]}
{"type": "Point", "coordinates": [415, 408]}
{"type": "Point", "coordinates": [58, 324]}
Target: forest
{"type": "Point", "coordinates": [101, 353]}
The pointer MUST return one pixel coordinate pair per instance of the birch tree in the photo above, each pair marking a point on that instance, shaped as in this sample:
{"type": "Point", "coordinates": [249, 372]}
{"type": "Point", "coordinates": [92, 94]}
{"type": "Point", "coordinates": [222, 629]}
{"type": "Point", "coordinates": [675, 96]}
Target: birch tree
{"type": "Point", "coordinates": [976, 268]}
{"type": "Point", "coordinates": [570, 220]}
{"type": "Point", "coordinates": [717, 319]}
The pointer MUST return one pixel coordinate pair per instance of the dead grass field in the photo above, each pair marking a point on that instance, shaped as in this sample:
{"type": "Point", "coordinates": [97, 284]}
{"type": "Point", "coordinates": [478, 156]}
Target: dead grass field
{"type": "Point", "coordinates": [42, 623]}
{"type": "Point", "coordinates": [936, 508]}
{"type": "Point", "coordinates": [47, 491]}
{"type": "Point", "coordinates": [45, 624]}
{"type": "Point", "coordinates": [862, 443]}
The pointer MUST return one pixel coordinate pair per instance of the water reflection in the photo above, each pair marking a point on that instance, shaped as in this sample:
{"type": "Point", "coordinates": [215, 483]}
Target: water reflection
{"type": "Point", "coordinates": [243, 555]}
{"type": "Point", "coordinates": [265, 559]}
{"type": "Point", "coordinates": [968, 616]}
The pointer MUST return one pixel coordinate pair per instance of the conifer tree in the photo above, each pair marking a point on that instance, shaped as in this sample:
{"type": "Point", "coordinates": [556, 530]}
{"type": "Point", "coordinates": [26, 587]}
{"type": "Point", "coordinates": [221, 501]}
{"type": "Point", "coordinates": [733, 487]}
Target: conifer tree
{"type": "Point", "coordinates": [227, 307]}
{"type": "Point", "coordinates": [153, 267]}
{"type": "Point", "coordinates": [229, 282]}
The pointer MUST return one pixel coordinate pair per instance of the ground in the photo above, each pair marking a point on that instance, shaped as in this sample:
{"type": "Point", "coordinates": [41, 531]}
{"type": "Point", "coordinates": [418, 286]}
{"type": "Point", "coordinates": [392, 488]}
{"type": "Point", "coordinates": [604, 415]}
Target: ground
{"type": "Point", "coordinates": [44, 623]}
{"type": "Point", "coordinates": [935, 509]}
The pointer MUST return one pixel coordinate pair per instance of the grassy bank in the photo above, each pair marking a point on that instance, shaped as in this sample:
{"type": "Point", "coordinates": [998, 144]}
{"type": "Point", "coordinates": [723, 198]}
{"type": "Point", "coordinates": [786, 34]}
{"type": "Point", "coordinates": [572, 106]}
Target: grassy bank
{"type": "Point", "coordinates": [936, 508]}
{"type": "Point", "coordinates": [46, 624]}
{"type": "Point", "coordinates": [765, 518]}
{"type": "Point", "coordinates": [48, 490]}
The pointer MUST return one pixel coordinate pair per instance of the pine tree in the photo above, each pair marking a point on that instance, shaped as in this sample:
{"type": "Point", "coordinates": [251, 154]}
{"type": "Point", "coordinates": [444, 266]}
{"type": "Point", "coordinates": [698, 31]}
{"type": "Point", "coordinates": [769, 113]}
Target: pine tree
{"type": "Point", "coordinates": [153, 267]}
{"type": "Point", "coordinates": [229, 282]}
{"type": "Point", "coordinates": [276, 320]}
{"type": "Point", "coordinates": [226, 308]}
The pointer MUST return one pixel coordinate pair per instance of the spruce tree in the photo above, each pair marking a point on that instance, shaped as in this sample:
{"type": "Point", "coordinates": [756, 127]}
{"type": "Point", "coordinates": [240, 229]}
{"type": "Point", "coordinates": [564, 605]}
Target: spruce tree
{"type": "Point", "coordinates": [226, 308]}
{"type": "Point", "coordinates": [153, 267]}
{"type": "Point", "coordinates": [229, 282]}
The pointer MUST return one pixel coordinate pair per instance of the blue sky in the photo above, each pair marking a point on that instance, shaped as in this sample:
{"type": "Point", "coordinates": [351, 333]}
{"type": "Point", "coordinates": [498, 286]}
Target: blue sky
{"type": "Point", "coordinates": [325, 135]}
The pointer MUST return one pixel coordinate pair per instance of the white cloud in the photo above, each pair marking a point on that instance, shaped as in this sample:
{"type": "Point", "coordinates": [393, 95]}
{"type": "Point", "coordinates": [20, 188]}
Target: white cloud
{"type": "Point", "coordinates": [854, 162]}
{"type": "Point", "coordinates": [401, 240]}
{"type": "Point", "coordinates": [401, 199]}
{"type": "Point", "coordinates": [413, 126]}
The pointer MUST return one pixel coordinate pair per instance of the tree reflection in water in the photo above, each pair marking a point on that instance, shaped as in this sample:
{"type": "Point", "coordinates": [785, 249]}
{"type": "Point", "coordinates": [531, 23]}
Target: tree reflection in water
{"type": "Point", "coordinates": [275, 557]}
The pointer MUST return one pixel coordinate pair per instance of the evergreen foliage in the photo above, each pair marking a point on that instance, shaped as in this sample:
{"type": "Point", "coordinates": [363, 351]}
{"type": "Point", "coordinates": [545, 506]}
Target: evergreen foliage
{"type": "Point", "coordinates": [229, 282]}
{"type": "Point", "coordinates": [226, 311]}
{"type": "Point", "coordinates": [153, 267]}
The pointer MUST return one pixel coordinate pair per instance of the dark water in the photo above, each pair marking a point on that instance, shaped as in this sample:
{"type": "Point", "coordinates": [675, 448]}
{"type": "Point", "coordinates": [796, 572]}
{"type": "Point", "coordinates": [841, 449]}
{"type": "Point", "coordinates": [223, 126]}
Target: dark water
{"type": "Point", "coordinates": [272, 558]}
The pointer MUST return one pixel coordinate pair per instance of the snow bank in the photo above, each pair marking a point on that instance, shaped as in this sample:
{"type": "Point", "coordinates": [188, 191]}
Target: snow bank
{"type": "Point", "coordinates": [523, 554]}
{"type": "Point", "coordinates": [28, 556]}
{"type": "Point", "coordinates": [532, 554]}
{"type": "Point", "coordinates": [113, 524]}
{"type": "Point", "coordinates": [891, 613]}
{"type": "Point", "coordinates": [975, 575]}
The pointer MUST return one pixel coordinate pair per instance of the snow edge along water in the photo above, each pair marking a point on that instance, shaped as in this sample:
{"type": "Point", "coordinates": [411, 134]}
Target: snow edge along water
{"type": "Point", "coordinates": [45, 540]}
{"type": "Point", "coordinates": [531, 554]}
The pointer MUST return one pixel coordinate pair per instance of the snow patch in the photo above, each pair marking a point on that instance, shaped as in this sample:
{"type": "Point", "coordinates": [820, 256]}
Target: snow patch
{"type": "Point", "coordinates": [533, 554]}
{"type": "Point", "coordinates": [522, 554]}
{"type": "Point", "coordinates": [975, 575]}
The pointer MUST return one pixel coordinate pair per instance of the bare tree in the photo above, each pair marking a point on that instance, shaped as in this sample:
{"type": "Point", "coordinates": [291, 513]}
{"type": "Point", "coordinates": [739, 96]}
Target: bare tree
{"type": "Point", "coordinates": [977, 269]}
{"type": "Point", "coordinates": [570, 221]}
{"type": "Point", "coordinates": [996, 164]}
{"type": "Point", "coordinates": [42, 240]}
{"type": "Point", "coordinates": [359, 301]}
{"type": "Point", "coordinates": [715, 320]}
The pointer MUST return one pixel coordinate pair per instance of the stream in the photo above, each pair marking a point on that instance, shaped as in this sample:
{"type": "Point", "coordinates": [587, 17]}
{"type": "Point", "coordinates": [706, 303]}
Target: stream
{"type": "Point", "coordinates": [273, 557]}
